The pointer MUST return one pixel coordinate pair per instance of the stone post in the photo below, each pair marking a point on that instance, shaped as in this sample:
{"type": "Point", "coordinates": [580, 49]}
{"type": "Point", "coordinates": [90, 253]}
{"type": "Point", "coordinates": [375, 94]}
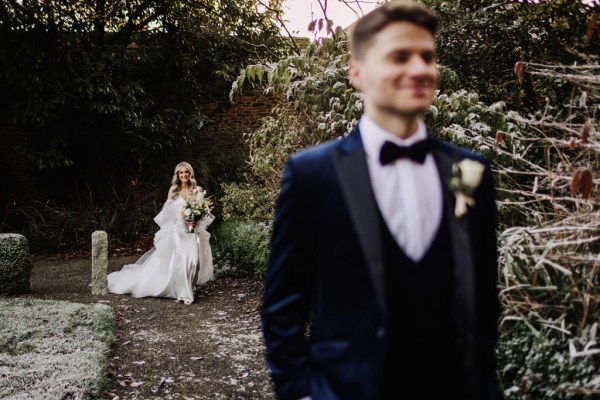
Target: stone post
{"type": "Point", "coordinates": [99, 262]}
{"type": "Point", "coordinates": [15, 264]}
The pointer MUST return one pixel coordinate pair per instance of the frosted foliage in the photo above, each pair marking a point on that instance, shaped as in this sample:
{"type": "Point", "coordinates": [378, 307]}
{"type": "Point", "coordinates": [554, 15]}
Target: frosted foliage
{"type": "Point", "coordinates": [52, 349]}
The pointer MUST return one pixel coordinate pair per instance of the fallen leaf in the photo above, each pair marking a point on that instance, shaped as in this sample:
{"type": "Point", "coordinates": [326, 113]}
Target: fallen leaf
{"type": "Point", "coordinates": [500, 138]}
{"type": "Point", "coordinates": [157, 387]}
{"type": "Point", "coordinates": [585, 130]}
{"type": "Point", "coordinates": [591, 26]}
{"type": "Point", "coordinates": [111, 394]}
{"type": "Point", "coordinates": [582, 178]}
{"type": "Point", "coordinates": [586, 183]}
{"type": "Point", "coordinates": [519, 71]}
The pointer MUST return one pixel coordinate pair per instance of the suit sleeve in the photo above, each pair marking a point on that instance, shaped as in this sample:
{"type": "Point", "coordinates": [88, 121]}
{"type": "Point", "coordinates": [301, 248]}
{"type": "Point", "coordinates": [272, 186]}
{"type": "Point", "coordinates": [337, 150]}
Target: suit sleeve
{"type": "Point", "coordinates": [488, 312]}
{"type": "Point", "coordinates": [286, 302]}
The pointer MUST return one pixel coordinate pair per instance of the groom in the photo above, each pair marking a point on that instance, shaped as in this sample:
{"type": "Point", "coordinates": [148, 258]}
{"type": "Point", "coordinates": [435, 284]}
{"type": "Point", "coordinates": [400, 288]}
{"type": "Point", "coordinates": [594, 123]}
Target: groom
{"type": "Point", "coordinates": [382, 272]}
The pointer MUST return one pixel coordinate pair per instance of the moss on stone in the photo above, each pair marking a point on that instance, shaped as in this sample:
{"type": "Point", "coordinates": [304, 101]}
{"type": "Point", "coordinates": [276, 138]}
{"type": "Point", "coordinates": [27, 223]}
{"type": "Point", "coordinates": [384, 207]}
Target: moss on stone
{"type": "Point", "coordinates": [15, 264]}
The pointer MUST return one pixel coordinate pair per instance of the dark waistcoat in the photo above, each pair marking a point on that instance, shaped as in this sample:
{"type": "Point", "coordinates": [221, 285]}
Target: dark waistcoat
{"type": "Point", "coordinates": [421, 321]}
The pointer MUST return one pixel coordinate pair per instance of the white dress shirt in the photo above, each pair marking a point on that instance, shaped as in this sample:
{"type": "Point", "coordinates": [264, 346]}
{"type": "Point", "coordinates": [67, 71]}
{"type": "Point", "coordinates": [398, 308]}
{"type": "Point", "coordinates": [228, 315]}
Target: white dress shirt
{"type": "Point", "coordinates": [409, 194]}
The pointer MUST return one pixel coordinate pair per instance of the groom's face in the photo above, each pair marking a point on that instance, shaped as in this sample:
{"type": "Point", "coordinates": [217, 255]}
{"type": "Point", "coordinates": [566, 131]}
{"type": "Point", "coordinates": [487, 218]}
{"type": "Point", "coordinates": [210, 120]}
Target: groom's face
{"type": "Point", "coordinates": [396, 73]}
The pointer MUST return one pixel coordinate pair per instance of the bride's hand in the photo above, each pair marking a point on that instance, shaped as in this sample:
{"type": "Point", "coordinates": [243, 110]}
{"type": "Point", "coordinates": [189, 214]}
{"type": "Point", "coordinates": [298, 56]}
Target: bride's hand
{"type": "Point", "coordinates": [189, 223]}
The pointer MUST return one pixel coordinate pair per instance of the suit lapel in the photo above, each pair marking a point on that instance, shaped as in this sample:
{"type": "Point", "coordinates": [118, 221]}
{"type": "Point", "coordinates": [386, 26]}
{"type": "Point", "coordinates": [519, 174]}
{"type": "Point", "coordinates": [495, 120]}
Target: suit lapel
{"type": "Point", "coordinates": [461, 242]}
{"type": "Point", "coordinates": [351, 167]}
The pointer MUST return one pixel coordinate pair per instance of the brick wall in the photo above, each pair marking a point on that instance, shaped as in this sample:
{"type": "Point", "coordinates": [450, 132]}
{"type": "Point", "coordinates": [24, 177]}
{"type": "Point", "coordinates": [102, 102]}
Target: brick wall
{"type": "Point", "coordinates": [222, 138]}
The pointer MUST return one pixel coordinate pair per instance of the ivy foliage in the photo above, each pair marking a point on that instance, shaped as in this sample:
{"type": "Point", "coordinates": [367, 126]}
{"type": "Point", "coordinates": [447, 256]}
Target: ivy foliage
{"type": "Point", "coordinates": [318, 104]}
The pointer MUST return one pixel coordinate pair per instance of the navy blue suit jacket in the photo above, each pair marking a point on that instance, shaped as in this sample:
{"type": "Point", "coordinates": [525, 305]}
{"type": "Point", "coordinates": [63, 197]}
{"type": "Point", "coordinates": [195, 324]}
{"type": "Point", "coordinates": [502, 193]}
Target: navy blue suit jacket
{"type": "Point", "coordinates": [323, 313]}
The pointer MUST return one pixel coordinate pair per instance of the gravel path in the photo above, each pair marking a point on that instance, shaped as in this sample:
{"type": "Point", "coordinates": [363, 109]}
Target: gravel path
{"type": "Point", "coordinates": [212, 349]}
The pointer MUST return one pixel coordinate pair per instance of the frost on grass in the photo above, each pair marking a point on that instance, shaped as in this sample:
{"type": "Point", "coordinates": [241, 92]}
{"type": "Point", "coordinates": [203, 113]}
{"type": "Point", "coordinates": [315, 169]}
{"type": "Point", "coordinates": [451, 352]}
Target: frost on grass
{"type": "Point", "coordinates": [53, 349]}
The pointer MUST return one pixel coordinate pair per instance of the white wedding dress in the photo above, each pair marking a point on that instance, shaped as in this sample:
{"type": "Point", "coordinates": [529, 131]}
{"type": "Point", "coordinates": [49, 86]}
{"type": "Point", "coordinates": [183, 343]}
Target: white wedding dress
{"type": "Point", "coordinates": [179, 261]}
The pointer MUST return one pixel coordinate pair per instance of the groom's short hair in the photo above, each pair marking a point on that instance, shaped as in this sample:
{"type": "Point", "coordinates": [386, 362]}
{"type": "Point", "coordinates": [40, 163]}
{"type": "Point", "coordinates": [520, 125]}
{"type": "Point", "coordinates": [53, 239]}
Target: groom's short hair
{"type": "Point", "coordinates": [394, 11]}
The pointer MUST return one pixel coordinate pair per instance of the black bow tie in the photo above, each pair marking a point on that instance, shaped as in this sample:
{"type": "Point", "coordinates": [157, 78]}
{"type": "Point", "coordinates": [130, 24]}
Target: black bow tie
{"type": "Point", "coordinates": [390, 152]}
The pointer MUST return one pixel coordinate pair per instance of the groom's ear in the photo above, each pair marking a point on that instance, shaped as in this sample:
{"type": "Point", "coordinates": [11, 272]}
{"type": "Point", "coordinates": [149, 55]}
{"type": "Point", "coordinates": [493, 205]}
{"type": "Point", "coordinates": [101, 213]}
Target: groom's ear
{"type": "Point", "coordinates": [354, 73]}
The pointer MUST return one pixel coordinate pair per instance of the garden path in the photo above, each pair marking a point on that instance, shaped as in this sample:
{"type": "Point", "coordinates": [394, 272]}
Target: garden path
{"type": "Point", "coordinates": [212, 349]}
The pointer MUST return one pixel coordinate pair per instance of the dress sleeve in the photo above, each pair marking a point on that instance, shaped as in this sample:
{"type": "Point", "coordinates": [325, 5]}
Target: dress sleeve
{"type": "Point", "coordinates": [165, 216]}
{"type": "Point", "coordinates": [205, 259]}
{"type": "Point", "coordinates": [165, 219]}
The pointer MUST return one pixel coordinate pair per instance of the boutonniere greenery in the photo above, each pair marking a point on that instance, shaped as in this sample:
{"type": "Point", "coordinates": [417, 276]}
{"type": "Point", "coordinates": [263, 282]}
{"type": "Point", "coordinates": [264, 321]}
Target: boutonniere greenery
{"type": "Point", "coordinates": [466, 177]}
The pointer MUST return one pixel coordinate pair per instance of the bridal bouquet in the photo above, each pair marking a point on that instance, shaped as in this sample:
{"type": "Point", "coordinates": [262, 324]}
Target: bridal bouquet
{"type": "Point", "coordinates": [196, 206]}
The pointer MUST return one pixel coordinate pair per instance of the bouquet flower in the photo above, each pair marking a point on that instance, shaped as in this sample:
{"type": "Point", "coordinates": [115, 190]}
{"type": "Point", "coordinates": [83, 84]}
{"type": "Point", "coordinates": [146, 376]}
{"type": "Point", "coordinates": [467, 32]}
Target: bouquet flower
{"type": "Point", "coordinates": [196, 206]}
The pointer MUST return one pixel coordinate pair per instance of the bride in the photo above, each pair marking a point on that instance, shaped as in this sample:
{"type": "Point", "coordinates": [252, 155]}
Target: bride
{"type": "Point", "coordinates": [181, 258]}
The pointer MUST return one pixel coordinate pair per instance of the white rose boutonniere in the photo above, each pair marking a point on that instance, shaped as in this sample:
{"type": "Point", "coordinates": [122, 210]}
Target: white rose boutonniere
{"type": "Point", "coordinates": [466, 177]}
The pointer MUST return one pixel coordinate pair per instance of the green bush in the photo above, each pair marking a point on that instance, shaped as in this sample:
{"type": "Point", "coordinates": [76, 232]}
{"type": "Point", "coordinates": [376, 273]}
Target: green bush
{"type": "Point", "coordinates": [242, 246]}
{"type": "Point", "coordinates": [54, 227]}
{"type": "Point", "coordinates": [247, 201]}
{"type": "Point", "coordinates": [547, 366]}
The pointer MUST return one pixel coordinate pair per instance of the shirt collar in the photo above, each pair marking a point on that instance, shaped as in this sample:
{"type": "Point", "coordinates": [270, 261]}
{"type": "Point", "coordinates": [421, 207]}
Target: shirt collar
{"type": "Point", "coordinates": [373, 136]}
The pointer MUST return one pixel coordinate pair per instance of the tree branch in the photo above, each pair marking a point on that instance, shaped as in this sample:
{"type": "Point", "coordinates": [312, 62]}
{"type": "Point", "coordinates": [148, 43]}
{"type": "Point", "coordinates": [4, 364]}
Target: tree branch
{"type": "Point", "coordinates": [125, 33]}
{"type": "Point", "coordinates": [294, 45]}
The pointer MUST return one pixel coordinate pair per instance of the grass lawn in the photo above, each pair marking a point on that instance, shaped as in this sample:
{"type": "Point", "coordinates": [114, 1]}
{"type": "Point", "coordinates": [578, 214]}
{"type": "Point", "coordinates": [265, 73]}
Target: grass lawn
{"type": "Point", "coordinates": [54, 349]}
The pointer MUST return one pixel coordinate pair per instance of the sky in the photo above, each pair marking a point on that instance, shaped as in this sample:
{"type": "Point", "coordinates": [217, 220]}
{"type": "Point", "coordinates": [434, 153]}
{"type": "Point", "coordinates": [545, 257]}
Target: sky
{"type": "Point", "coordinates": [299, 12]}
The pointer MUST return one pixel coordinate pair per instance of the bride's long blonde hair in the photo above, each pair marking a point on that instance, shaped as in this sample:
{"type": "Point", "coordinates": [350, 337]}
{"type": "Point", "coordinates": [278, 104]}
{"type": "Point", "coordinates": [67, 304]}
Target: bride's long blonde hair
{"type": "Point", "coordinates": [175, 181]}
